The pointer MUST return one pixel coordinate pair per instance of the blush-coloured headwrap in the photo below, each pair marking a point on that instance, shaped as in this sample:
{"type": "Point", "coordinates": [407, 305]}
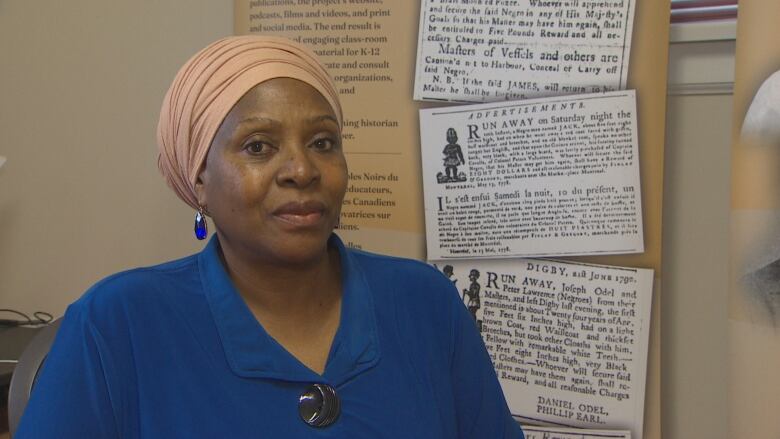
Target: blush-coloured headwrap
{"type": "Point", "coordinates": [209, 85]}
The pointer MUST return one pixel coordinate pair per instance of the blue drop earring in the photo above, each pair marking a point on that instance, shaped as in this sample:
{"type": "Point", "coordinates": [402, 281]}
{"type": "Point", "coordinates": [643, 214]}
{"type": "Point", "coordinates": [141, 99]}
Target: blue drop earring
{"type": "Point", "coordinates": [201, 228]}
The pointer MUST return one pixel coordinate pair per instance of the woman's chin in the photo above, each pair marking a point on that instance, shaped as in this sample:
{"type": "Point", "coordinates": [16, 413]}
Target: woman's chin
{"type": "Point", "coordinates": [280, 243]}
{"type": "Point", "coordinates": [300, 248]}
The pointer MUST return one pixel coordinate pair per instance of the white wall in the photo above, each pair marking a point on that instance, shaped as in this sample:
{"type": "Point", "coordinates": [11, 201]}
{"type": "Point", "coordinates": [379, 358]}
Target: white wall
{"type": "Point", "coordinates": [81, 83]}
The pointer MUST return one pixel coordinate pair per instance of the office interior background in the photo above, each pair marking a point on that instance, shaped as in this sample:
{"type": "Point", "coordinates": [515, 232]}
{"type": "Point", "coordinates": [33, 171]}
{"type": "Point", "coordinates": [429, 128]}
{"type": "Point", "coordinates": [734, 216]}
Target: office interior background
{"type": "Point", "coordinates": [80, 87]}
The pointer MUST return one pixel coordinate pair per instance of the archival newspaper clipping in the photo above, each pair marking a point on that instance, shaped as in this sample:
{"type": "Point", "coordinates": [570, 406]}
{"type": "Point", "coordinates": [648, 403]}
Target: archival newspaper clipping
{"type": "Point", "coordinates": [552, 176]}
{"type": "Point", "coordinates": [488, 50]}
{"type": "Point", "coordinates": [573, 433]}
{"type": "Point", "coordinates": [568, 341]}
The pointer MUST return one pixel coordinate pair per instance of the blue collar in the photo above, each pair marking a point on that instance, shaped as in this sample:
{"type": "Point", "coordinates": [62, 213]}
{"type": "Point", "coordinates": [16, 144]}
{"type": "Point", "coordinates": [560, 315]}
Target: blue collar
{"type": "Point", "coordinates": [252, 353]}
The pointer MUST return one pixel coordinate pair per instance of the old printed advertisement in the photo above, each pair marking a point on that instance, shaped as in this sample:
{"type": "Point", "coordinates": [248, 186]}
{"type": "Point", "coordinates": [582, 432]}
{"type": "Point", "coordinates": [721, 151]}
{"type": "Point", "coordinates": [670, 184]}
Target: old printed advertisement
{"type": "Point", "coordinates": [573, 433]}
{"type": "Point", "coordinates": [552, 176]}
{"type": "Point", "coordinates": [569, 341]}
{"type": "Point", "coordinates": [489, 50]}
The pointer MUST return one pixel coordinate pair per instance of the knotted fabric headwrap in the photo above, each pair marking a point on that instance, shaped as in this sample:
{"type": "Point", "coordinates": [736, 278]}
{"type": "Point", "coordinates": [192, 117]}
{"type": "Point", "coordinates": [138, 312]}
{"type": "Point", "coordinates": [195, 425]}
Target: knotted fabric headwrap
{"type": "Point", "coordinates": [209, 85]}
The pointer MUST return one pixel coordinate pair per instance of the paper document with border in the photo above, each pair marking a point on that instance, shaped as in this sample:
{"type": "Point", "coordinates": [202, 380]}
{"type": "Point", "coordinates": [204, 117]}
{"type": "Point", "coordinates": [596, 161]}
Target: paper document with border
{"type": "Point", "coordinates": [532, 432]}
{"type": "Point", "coordinates": [485, 51]}
{"type": "Point", "coordinates": [543, 177]}
{"type": "Point", "coordinates": [569, 341]}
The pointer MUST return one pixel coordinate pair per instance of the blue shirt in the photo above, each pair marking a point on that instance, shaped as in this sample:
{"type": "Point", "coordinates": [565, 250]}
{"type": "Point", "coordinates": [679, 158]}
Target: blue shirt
{"type": "Point", "coordinates": [172, 351]}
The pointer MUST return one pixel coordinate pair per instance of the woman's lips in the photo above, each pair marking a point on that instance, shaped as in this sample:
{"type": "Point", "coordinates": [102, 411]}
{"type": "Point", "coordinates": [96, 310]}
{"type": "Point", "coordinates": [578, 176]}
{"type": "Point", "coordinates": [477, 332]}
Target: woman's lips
{"type": "Point", "coordinates": [301, 213]}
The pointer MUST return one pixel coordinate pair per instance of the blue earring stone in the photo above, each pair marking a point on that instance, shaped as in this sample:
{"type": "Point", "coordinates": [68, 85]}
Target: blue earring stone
{"type": "Point", "coordinates": [201, 228]}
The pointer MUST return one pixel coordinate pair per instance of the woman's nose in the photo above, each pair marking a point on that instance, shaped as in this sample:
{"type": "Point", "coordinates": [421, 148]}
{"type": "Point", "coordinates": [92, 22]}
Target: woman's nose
{"type": "Point", "coordinates": [299, 169]}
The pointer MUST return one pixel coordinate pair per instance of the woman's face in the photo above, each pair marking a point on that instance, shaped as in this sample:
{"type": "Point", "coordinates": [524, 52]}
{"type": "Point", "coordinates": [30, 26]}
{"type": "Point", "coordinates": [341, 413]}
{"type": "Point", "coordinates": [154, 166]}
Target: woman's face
{"type": "Point", "coordinates": [275, 173]}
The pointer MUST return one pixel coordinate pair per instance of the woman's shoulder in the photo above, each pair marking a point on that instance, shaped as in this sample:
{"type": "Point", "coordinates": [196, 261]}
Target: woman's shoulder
{"type": "Point", "coordinates": [128, 289]}
{"type": "Point", "coordinates": [403, 276]}
{"type": "Point", "coordinates": [398, 267]}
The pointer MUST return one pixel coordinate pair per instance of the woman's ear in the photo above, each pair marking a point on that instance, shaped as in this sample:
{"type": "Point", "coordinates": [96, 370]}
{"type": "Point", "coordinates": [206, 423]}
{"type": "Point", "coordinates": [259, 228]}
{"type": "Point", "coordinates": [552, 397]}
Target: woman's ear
{"type": "Point", "coordinates": [200, 188]}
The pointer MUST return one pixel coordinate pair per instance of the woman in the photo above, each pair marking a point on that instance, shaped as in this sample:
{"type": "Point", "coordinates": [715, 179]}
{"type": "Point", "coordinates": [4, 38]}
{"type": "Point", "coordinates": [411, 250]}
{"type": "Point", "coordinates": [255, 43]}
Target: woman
{"type": "Point", "coordinates": [275, 329]}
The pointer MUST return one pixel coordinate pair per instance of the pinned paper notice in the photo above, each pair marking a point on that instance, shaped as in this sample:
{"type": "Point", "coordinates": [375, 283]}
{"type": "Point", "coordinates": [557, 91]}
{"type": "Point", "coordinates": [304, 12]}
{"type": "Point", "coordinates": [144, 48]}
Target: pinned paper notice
{"type": "Point", "coordinates": [532, 432]}
{"type": "Point", "coordinates": [474, 51]}
{"type": "Point", "coordinates": [568, 341]}
{"type": "Point", "coordinates": [540, 177]}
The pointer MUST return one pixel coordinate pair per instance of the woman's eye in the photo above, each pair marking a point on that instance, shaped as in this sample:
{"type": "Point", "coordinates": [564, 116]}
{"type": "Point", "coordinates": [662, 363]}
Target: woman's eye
{"type": "Point", "coordinates": [256, 147]}
{"type": "Point", "coordinates": [323, 144]}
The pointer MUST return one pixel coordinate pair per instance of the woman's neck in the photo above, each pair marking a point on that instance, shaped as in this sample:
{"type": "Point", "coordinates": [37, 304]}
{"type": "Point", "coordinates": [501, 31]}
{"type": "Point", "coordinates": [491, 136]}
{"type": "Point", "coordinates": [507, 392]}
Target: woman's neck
{"type": "Point", "coordinates": [299, 305]}
{"type": "Point", "coordinates": [283, 288]}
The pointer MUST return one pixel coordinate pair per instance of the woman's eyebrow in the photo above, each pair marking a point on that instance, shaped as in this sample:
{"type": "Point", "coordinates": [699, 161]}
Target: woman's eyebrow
{"type": "Point", "coordinates": [322, 118]}
{"type": "Point", "coordinates": [270, 121]}
{"type": "Point", "coordinates": [259, 119]}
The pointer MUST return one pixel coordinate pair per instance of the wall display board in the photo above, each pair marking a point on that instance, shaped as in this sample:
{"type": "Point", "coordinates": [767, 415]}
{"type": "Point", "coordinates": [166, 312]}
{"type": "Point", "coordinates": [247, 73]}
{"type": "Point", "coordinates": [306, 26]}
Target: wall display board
{"type": "Point", "coordinates": [754, 302]}
{"type": "Point", "coordinates": [370, 47]}
{"type": "Point", "coordinates": [482, 51]}
{"type": "Point", "coordinates": [568, 341]}
{"type": "Point", "coordinates": [538, 177]}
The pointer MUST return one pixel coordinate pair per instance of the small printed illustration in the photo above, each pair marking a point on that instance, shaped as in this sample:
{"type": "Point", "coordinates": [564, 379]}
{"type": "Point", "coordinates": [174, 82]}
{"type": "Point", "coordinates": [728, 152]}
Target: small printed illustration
{"type": "Point", "coordinates": [453, 157]}
{"type": "Point", "coordinates": [449, 272]}
{"type": "Point", "coordinates": [472, 293]}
